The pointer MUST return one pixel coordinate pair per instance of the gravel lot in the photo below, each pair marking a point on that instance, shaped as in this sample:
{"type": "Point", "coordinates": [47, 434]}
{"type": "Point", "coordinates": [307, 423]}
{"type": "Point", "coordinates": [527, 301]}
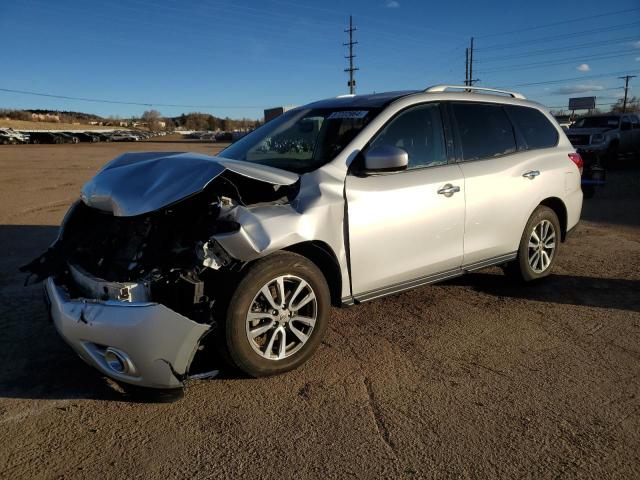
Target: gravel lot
{"type": "Point", "coordinates": [473, 378]}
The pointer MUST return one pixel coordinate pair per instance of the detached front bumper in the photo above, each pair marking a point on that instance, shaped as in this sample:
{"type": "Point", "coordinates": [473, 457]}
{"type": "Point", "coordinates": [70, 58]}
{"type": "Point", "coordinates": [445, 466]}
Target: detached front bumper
{"type": "Point", "coordinates": [140, 343]}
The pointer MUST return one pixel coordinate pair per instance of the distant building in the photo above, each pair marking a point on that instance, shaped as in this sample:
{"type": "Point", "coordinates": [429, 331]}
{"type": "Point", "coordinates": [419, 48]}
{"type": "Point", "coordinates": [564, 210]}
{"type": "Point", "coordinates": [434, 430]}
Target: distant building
{"type": "Point", "coordinates": [45, 117]}
{"type": "Point", "coordinates": [271, 113]}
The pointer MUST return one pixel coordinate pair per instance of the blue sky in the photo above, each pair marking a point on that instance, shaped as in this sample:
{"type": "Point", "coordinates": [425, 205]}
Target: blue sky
{"type": "Point", "coordinates": [236, 57]}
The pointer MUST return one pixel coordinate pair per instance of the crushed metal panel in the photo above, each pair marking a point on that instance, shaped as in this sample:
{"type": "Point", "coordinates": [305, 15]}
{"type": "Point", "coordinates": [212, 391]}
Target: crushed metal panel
{"type": "Point", "coordinates": [138, 183]}
{"type": "Point", "coordinates": [100, 289]}
{"type": "Point", "coordinates": [160, 342]}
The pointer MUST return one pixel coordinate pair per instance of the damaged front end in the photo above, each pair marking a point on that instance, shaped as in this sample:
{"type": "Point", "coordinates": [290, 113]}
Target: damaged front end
{"type": "Point", "coordinates": [136, 279]}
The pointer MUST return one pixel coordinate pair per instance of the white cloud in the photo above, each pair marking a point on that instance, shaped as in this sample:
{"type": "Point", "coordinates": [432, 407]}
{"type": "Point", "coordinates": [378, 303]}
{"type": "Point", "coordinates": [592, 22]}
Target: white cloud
{"type": "Point", "coordinates": [637, 59]}
{"type": "Point", "coordinates": [582, 88]}
{"type": "Point", "coordinates": [583, 67]}
{"type": "Point", "coordinates": [636, 44]}
{"type": "Point", "coordinates": [392, 4]}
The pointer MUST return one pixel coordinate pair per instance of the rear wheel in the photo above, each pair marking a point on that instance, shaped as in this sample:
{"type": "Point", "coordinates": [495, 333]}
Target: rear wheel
{"type": "Point", "coordinates": [277, 315]}
{"type": "Point", "coordinates": [538, 246]}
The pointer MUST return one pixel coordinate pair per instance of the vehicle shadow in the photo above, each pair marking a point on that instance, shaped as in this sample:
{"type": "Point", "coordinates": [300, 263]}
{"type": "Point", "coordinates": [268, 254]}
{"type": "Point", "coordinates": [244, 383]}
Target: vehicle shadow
{"type": "Point", "coordinates": [609, 293]}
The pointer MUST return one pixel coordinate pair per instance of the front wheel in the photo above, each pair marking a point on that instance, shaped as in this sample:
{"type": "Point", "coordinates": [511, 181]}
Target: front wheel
{"type": "Point", "coordinates": [538, 248]}
{"type": "Point", "coordinates": [277, 315]}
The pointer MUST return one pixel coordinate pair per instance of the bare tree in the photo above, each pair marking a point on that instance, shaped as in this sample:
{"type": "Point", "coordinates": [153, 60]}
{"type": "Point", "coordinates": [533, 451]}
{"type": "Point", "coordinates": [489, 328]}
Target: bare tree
{"type": "Point", "coordinates": [169, 124]}
{"type": "Point", "coordinates": [152, 119]}
{"type": "Point", "coordinates": [633, 105]}
{"type": "Point", "coordinates": [196, 121]}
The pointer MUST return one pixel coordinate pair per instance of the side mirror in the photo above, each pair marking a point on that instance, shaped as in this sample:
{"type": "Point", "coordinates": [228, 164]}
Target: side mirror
{"type": "Point", "coordinates": [386, 158]}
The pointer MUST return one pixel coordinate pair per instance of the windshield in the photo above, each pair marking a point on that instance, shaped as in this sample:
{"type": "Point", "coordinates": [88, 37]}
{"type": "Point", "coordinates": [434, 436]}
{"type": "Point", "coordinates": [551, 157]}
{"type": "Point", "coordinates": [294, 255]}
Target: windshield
{"type": "Point", "coordinates": [597, 122]}
{"type": "Point", "coordinates": [301, 140]}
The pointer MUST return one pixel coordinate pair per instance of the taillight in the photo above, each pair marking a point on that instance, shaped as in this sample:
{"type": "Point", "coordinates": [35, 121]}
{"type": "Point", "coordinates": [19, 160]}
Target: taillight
{"type": "Point", "coordinates": [577, 159]}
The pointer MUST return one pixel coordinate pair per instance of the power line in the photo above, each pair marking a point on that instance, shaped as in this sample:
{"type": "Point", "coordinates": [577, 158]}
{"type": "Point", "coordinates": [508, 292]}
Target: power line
{"type": "Point", "coordinates": [563, 49]}
{"type": "Point", "coordinates": [351, 70]}
{"type": "Point", "coordinates": [121, 102]}
{"type": "Point", "coordinates": [564, 80]}
{"type": "Point", "coordinates": [573, 20]}
{"type": "Point", "coordinates": [561, 36]}
{"type": "Point", "coordinates": [562, 61]}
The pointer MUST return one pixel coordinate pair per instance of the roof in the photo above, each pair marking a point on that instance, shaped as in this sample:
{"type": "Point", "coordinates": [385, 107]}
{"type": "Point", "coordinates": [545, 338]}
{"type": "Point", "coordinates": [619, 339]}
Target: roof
{"type": "Point", "coordinates": [374, 100]}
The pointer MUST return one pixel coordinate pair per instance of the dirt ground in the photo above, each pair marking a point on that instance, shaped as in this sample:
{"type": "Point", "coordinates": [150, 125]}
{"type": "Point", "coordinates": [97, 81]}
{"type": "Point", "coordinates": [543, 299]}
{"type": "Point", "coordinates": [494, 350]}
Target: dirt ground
{"type": "Point", "coordinates": [473, 378]}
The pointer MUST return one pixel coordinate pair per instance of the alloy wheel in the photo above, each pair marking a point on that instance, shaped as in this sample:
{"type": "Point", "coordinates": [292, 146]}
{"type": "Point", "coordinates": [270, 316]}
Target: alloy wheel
{"type": "Point", "coordinates": [281, 317]}
{"type": "Point", "coordinates": [542, 246]}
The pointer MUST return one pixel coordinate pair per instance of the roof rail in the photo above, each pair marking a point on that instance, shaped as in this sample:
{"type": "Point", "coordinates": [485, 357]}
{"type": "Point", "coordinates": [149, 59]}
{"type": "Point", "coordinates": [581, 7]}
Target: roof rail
{"type": "Point", "coordinates": [444, 88]}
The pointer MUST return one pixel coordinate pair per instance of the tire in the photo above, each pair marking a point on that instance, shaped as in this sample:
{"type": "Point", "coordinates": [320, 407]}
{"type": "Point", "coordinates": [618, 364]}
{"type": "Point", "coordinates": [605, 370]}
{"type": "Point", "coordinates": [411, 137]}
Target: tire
{"type": "Point", "coordinates": [523, 268]}
{"type": "Point", "coordinates": [35, 141]}
{"type": "Point", "coordinates": [249, 352]}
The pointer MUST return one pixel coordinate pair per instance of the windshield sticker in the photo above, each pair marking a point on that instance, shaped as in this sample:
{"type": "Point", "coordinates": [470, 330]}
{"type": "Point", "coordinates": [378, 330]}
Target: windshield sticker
{"type": "Point", "coordinates": [349, 114]}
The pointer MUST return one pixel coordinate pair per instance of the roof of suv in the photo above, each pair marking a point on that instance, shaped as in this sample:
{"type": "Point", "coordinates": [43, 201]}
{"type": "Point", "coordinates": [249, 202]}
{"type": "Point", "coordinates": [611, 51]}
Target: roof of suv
{"type": "Point", "coordinates": [374, 100]}
{"type": "Point", "coordinates": [379, 100]}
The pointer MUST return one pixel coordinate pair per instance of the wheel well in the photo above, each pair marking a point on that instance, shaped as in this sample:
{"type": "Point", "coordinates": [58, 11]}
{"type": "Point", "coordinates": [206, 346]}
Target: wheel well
{"type": "Point", "coordinates": [323, 257]}
{"type": "Point", "coordinates": [560, 210]}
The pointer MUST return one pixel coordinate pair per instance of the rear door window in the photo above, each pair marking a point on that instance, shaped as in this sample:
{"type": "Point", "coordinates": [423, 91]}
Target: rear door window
{"type": "Point", "coordinates": [536, 129]}
{"type": "Point", "coordinates": [485, 130]}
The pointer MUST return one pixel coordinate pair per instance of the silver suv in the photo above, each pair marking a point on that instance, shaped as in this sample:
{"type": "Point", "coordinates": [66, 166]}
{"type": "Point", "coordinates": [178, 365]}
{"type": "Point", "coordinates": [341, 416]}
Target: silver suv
{"type": "Point", "coordinates": [170, 258]}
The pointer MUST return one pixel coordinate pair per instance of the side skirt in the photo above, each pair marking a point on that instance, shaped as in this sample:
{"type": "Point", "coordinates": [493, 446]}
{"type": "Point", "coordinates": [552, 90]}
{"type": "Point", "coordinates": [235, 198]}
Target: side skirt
{"type": "Point", "coordinates": [426, 280]}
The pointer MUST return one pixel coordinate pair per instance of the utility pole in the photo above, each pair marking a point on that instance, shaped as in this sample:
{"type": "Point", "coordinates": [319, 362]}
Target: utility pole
{"type": "Point", "coordinates": [471, 79]}
{"type": "Point", "coordinates": [351, 83]}
{"type": "Point", "coordinates": [466, 67]}
{"type": "Point", "coordinates": [626, 79]}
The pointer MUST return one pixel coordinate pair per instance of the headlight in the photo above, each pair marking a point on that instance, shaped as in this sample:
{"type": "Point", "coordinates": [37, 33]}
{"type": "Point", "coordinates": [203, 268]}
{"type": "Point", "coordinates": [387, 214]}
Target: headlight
{"type": "Point", "coordinates": [597, 138]}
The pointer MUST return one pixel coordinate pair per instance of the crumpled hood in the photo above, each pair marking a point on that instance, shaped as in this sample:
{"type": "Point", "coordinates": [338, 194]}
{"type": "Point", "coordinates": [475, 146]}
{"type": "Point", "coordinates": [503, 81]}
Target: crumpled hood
{"type": "Point", "coordinates": [138, 183]}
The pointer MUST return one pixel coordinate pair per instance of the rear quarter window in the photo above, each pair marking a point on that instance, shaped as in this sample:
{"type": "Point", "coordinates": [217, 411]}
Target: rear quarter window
{"type": "Point", "coordinates": [537, 130]}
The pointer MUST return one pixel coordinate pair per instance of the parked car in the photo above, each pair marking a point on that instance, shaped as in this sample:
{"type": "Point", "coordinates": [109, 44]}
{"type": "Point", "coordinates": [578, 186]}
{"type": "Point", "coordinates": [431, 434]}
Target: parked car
{"type": "Point", "coordinates": [169, 256]}
{"type": "Point", "coordinates": [6, 139]}
{"type": "Point", "coordinates": [102, 136]}
{"type": "Point", "coordinates": [9, 135]}
{"type": "Point", "coordinates": [84, 136]}
{"type": "Point", "coordinates": [45, 137]}
{"type": "Point", "coordinates": [124, 137]}
{"type": "Point", "coordinates": [66, 138]}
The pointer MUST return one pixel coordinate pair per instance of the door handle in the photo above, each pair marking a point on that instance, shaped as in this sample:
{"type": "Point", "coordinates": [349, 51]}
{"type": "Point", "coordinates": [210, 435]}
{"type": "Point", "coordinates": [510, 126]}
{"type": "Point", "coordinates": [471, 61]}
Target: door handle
{"type": "Point", "coordinates": [448, 190]}
{"type": "Point", "coordinates": [531, 174]}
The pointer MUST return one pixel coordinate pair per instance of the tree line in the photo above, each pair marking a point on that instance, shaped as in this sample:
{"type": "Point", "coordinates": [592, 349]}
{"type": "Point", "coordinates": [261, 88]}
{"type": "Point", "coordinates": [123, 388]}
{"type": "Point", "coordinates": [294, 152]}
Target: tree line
{"type": "Point", "coordinates": [153, 119]}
